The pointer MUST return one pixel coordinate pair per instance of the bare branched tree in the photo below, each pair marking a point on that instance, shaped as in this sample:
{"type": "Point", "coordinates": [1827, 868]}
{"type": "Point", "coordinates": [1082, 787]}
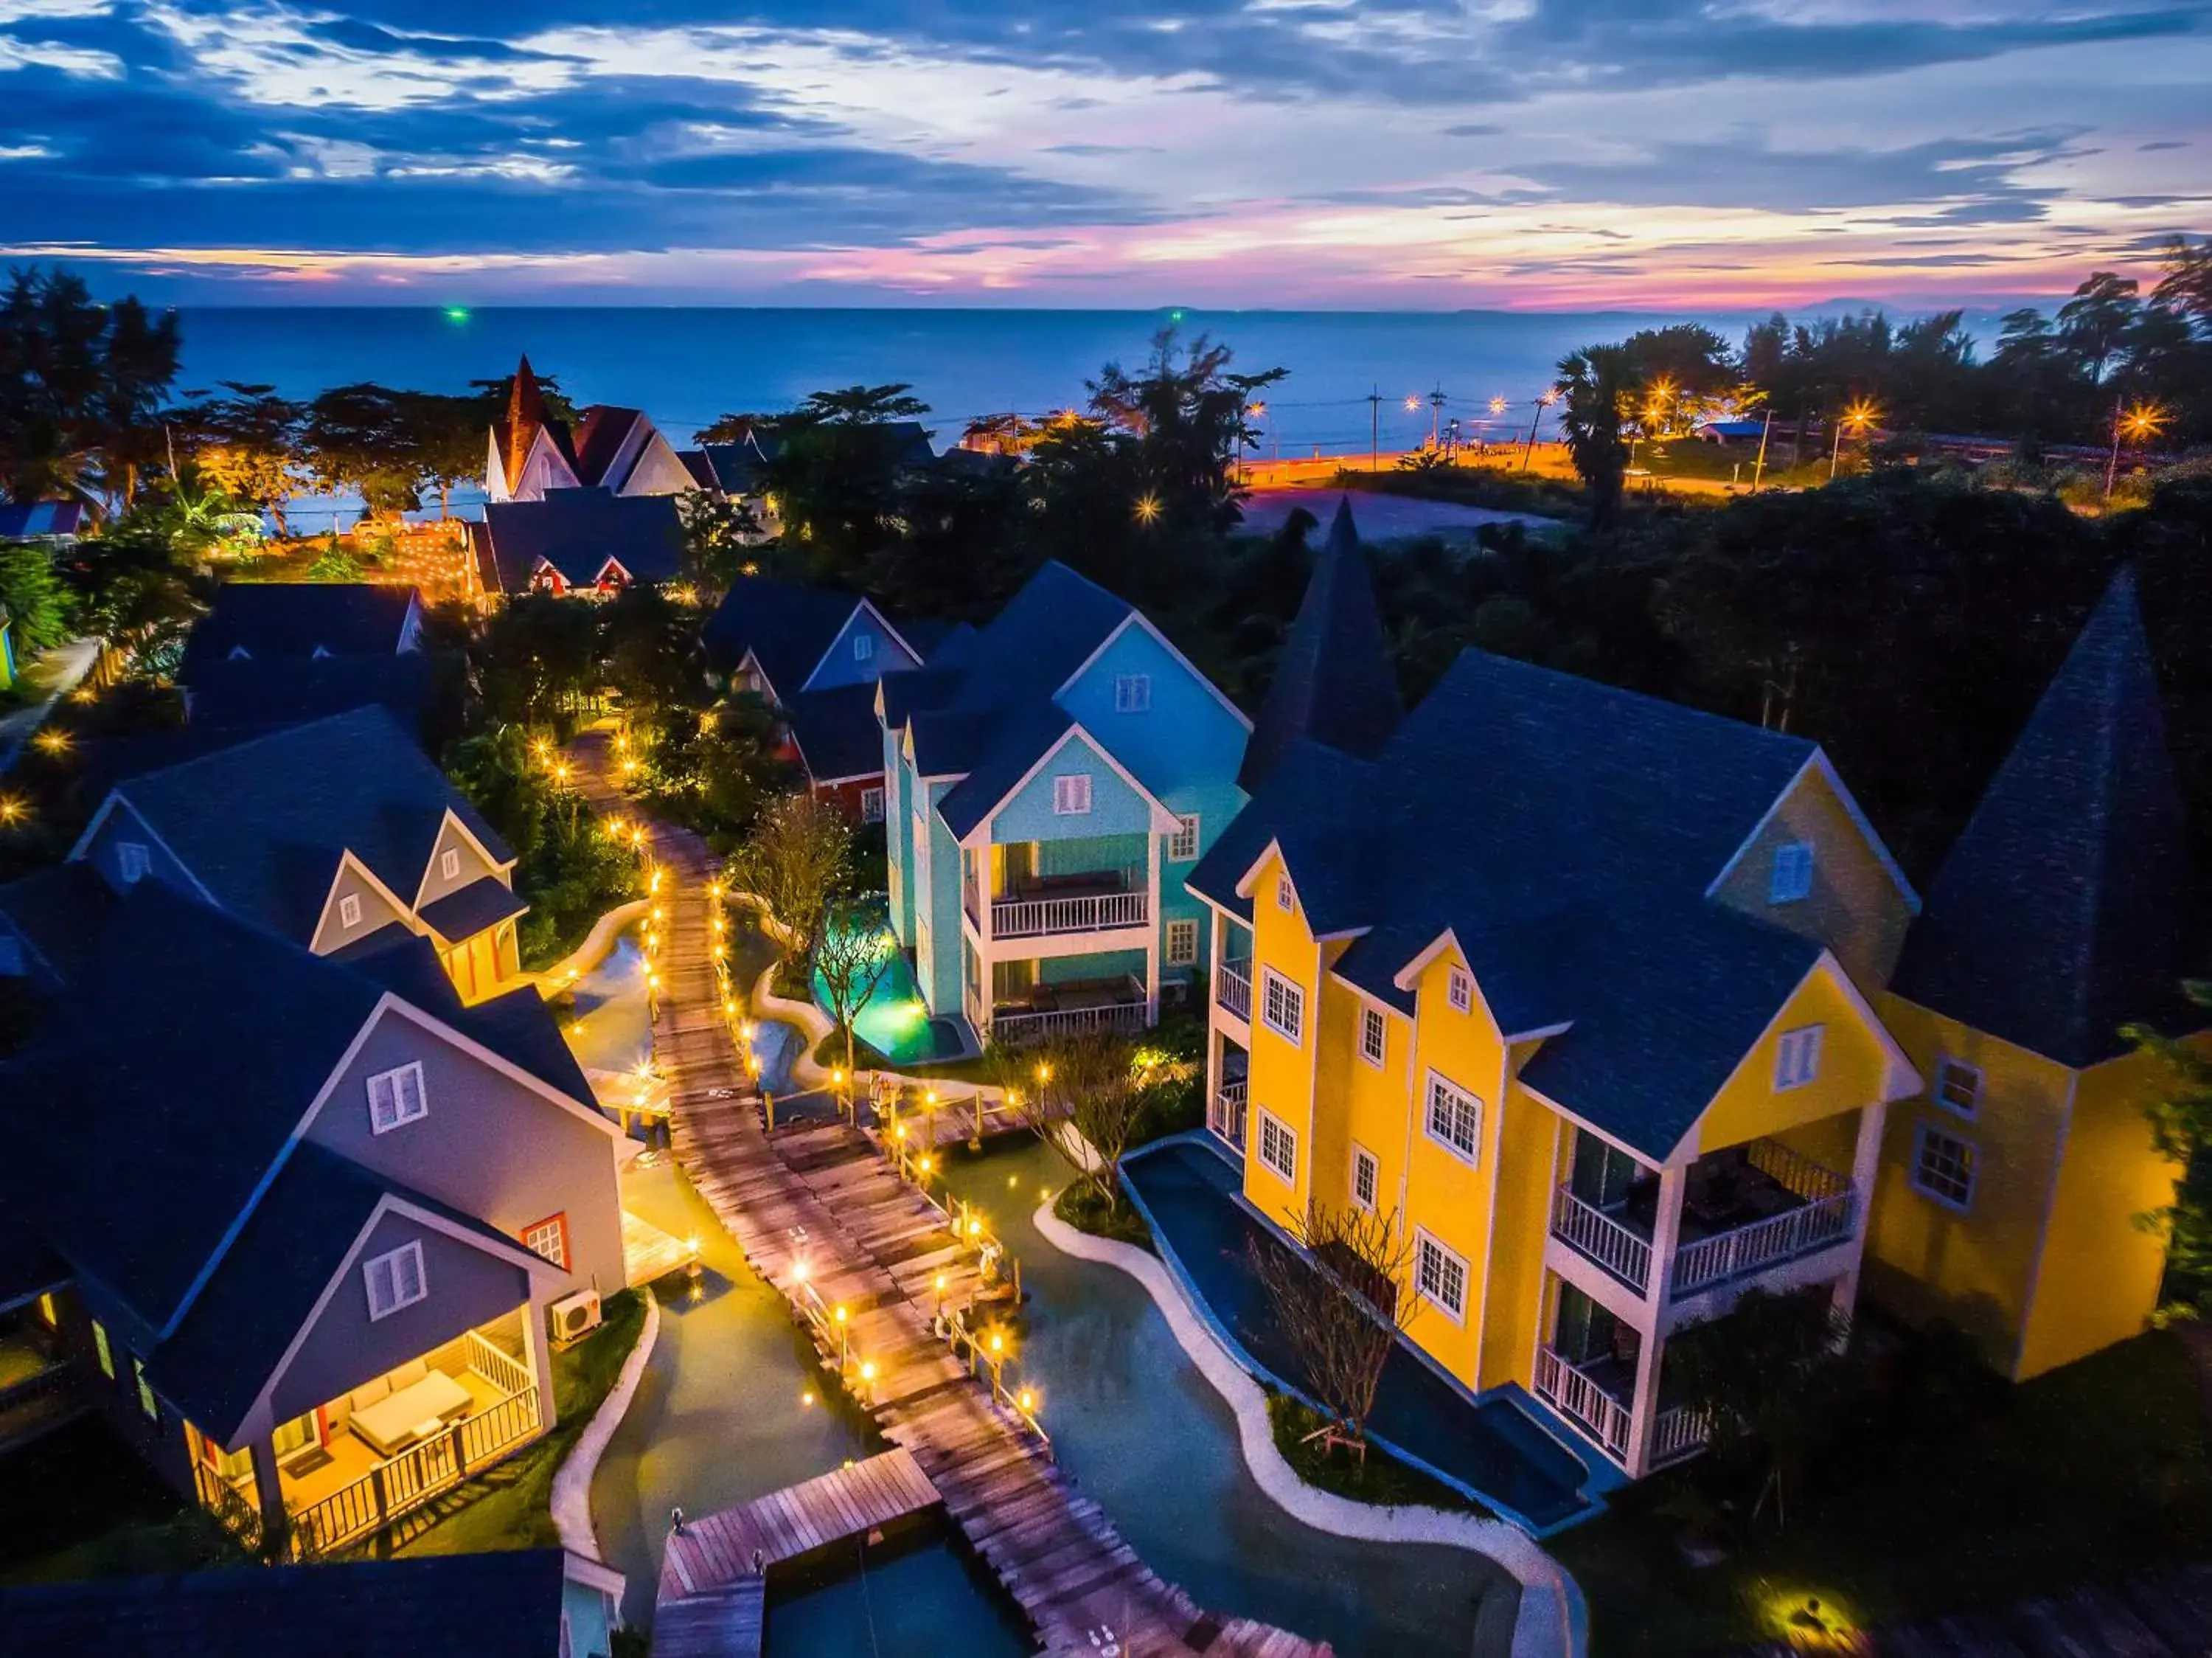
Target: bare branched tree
{"type": "Point", "coordinates": [1341, 1305]}
{"type": "Point", "coordinates": [1098, 1083]}
{"type": "Point", "coordinates": [796, 860]}
{"type": "Point", "coordinates": [852, 960]}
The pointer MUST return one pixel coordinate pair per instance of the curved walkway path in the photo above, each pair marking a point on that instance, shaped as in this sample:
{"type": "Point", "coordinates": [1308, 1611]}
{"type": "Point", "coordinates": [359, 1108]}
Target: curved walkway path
{"type": "Point", "coordinates": [818, 1211]}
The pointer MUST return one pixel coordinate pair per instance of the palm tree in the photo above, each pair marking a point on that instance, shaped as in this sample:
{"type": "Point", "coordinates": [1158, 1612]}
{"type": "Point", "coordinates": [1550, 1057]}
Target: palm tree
{"type": "Point", "coordinates": [1598, 382]}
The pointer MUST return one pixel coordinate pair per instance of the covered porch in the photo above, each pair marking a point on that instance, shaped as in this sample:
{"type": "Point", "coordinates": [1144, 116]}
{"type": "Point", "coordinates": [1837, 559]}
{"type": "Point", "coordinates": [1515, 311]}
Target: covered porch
{"type": "Point", "coordinates": [346, 1469]}
{"type": "Point", "coordinates": [1037, 888]}
{"type": "Point", "coordinates": [1035, 1000]}
{"type": "Point", "coordinates": [1593, 1366]}
{"type": "Point", "coordinates": [474, 929]}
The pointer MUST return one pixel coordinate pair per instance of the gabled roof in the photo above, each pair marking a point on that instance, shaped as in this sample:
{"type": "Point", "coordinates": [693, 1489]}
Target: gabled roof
{"type": "Point", "coordinates": [1334, 683]}
{"type": "Point", "coordinates": [735, 467]}
{"type": "Point", "coordinates": [295, 620]}
{"type": "Point", "coordinates": [1562, 832]}
{"type": "Point", "coordinates": [2062, 911]}
{"type": "Point", "coordinates": [786, 627]}
{"type": "Point", "coordinates": [600, 435]}
{"type": "Point", "coordinates": [526, 416]}
{"type": "Point", "coordinates": [576, 532]}
{"type": "Point", "coordinates": [31, 521]}
{"type": "Point", "coordinates": [701, 468]}
{"type": "Point", "coordinates": [268, 693]}
{"type": "Point", "coordinates": [837, 733]}
{"type": "Point", "coordinates": [467, 911]}
{"type": "Point", "coordinates": [262, 824]}
{"type": "Point", "coordinates": [505, 1604]}
{"type": "Point", "coordinates": [61, 912]}
{"type": "Point", "coordinates": [192, 1045]}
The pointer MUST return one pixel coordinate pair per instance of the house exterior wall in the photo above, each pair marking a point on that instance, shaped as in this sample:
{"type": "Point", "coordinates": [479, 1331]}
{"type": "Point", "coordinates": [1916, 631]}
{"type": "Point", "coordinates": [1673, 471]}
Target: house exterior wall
{"type": "Point", "coordinates": [840, 665]}
{"type": "Point", "coordinates": [658, 472]}
{"type": "Point", "coordinates": [938, 924]}
{"type": "Point", "coordinates": [122, 824]}
{"type": "Point", "coordinates": [1855, 908]}
{"type": "Point", "coordinates": [1976, 1269]}
{"type": "Point", "coordinates": [377, 911]}
{"type": "Point", "coordinates": [1282, 1073]}
{"type": "Point", "coordinates": [1852, 1073]}
{"type": "Point", "coordinates": [1115, 808]}
{"type": "Point", "coordinates": [474, 865]}
{"type": "Point", "coordinates": [900, 788]}
{"type": "Point", "coordinates": [345, 1347]}
{"type": "Point", "coordinates": [489, 1146]}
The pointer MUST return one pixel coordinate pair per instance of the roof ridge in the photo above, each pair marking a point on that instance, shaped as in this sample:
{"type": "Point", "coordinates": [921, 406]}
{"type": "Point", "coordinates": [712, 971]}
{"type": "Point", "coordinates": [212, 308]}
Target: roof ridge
{"type": "Point", "coordinates": [373, 713]}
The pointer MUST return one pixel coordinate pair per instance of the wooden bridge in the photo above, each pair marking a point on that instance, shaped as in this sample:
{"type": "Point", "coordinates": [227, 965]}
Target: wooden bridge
{"type": "Point", "coordinates": [822, 1217]}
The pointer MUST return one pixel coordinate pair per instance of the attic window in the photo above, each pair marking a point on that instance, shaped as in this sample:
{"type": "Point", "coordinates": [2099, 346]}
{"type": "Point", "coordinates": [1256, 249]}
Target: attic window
{"type": "Point", "coordinates": [131, 861]}
{"type": "Point", "coordinates": [1285, 899]}
{"type": "Point", "coordinates": [449, 863]}
{"type": "Point", "coordinates": [349, 910]}
{"type": "Point", "coordinates": [1797, 1057]}
{"type": "Point", "coordinates": [1791, 878]}
{"type": "Point", "coordinates": [1459, 990]}
{"type": "Point", "coordinates": [395, 1279]}
{"type": "Point", "coordinates": [1958, 1086]}
{"type": "Point", "coordinates": [396, 1098]}
{"type": "Point", "coordinates": [1070, 794]}
{"type": "Point", "coordinates": [1132, 693]}
{"type": "Point", "coordinates": [864, 647]}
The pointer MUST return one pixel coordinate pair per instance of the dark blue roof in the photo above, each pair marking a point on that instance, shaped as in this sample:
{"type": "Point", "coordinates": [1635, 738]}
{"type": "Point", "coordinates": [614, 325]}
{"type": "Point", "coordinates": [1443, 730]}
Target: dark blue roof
{"type": "Point", "coordinates": [61, 912]}
{"type": "Point", "coordinates": [296, 619]}
{"type": "Point", "coordinates": [1565, 833]}
{"type": "Point", "coordinates": [500, 1605]}
{"type": "Point", "coordinates": [268, 692]}
{"type": "Point", "coordinates": [787, 627]}
{"type": "Point", "coordinates": [31, 520]}
{"type": "Point", "coordinates": [1334, 683]}
{"type": "Point", "coordinates": [261, 824]}
{"type": "Point", "coordinates": [195, 1043]}
{"type": "Point", "coordinates": [1008, 747]}
{"type": "Point", "coordinates": [2062, 911]}
{"type": "Point", "coordinates": [484, 902]}
{"type": "Point", "coordinates": [576, 532]}
{"type": "Point", "coordinates": [837, 731]}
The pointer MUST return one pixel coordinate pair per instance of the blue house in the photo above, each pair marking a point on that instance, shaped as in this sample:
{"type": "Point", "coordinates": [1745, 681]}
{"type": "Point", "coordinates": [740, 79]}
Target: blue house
{"type": "Point", "coordinates": [1051, 781]}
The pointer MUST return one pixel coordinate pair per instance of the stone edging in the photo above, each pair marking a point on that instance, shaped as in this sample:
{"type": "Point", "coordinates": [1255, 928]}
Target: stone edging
{"type": "Point", "coordinates": [1551, 1623]}
{"type": "Point", "coordinates": [598, 944]}
{"type": "Point", "coordinates": [572, 1480]}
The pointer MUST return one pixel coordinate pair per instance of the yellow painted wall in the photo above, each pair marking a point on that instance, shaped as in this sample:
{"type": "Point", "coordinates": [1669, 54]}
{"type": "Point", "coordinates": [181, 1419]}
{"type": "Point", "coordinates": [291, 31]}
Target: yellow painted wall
{"type": "Point", "coordinates": [1531, 1137]}
{"type": "Point", "coordinates": [1976, 1269]}
{"type": "Point", "coordinates": [1444, 1195]}
{"type": "Point", "coordinates": [1282, 1075]}
{"type": "Point", "coordinates": [2098, 1279]}
{"type": "Point", "coordinates": [1371, 1101]}
{"type": "Point", "coordinates": [1853, 1071]}
{"type": "Point", "coordinates": [1855, 907]}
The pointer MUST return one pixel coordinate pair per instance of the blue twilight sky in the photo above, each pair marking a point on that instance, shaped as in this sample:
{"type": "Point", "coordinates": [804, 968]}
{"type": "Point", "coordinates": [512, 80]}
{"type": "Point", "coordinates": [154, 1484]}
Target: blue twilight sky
{"type": "Point", "coordinates": [1418, 153]}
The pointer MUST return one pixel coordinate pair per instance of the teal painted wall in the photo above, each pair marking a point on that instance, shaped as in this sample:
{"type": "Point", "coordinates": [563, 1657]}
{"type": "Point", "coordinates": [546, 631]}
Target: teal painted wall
{"type": "Point", "coordinates": [1115, 808]}
{"type": "Point", "coordinates": [1105, 964]}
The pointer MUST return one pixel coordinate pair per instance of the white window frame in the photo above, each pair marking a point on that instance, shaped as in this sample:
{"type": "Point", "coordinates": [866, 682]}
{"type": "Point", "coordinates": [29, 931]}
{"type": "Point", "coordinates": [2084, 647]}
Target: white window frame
{"type": "Point", "coordinates": [349, 908]}
{"type": "Point", "coordinates": [1797, 1057]}
{"type": "Point", "coordinates": [1366, 1163]}
{"type": "Point", "coordinates": [1790, 878]}
{"type": "Point", "coordinates": [1945, 1066]}
{"type": "Point", "coordinates": [871, 805]}
{"type": "Point", "coordinates": [1286, 899]}
{"type": "Point", "coordinates": [1426, 1245]}
{"type": "Point", "coordinates": [1274, 987]}
{"type": "Point", "coordinates": [132, 861]}
{"type": "Point", "coordinates": [864, 647]}
{"type": "Point", "coordinates": [1183, 844]}
{"type": "Point", "coordinates": [390, 1264]}
{"type": "Point", "coordinates": [1070, 794]}
{"type": "Point", "coordinates": [1459, 990]}
{"type": "Point", "coordinates": [1374, 1035]}
{"type": "Point", "coordinates": [1183, 943]}
{"type": "Point", "coordinates": [403, 1086]}
{"type": "Point", "coordinates": [1132, 693]}
{"type": "Point", "coordinates": [1273, 1130]}
{"type": "Point", "coordinates": [1465, 1107]}
{"type": "Point", "coordinates": [449, 863]}
{"type": "Point", "coordinates": [1970, 1165]}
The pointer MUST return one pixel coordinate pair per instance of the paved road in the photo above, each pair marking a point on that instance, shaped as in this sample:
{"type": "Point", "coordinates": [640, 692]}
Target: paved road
{"type": "Point", "coordinates": [51, 677]}
{"type": "Point", "coordinates": [1380, 517]}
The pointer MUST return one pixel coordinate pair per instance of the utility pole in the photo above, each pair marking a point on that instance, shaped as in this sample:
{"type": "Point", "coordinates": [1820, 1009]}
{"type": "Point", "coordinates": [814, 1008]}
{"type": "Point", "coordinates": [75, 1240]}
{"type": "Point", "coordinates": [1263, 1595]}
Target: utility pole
{"type": "Point", "coordinates": [1529, 453]}
{"type": "Point", "coordinates": [1436, 413]}
{"type": "Point", "coordinates": [2113, 465]}
{"type": "Point", "coordinates": [1760, 471]}
{"type": "Point", "coordinates": [1374, 430]}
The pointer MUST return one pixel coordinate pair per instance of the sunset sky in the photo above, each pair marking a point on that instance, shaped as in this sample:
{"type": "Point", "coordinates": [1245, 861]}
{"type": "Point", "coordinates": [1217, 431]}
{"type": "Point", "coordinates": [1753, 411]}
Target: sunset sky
{"type": "Point", "coordinates": [1391, 153]}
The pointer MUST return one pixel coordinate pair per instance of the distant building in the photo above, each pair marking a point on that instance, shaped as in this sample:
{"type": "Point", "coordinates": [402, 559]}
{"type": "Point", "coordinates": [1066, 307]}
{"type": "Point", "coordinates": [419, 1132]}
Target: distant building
{"type": "Point", "coordinates": [59, 522]}
{"type": "Point", "coordinates": [305, 621]}
{"type": "Point", "coordinates": [616, 449]}
{"type": "Point", "coordinates": [519, 1603]}
{"type": "Point", "coordinates": [1732, 431]}
{"type": "Point", "coordinates": [577, 541]}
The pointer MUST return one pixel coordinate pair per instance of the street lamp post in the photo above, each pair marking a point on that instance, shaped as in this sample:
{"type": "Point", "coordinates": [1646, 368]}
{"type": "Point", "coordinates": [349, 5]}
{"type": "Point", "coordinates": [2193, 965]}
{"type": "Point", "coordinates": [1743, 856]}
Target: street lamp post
{"type": "Point", "coordinates": [1858, 418]}
{"type": "Point", "coordinates": [1542, 403]}
{"type": "Point", "coordinates": [2141, 422]}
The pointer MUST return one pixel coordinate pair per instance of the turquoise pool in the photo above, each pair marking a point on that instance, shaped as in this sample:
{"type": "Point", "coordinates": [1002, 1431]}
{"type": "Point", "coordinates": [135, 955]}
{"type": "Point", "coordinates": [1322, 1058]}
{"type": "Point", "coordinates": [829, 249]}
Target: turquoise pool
{"type": "Point", "coordinates": [896, 1021]}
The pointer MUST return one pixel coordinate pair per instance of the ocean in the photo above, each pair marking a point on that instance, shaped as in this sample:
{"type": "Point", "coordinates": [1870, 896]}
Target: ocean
{"type": "Point", "coordinates": [687, 367]}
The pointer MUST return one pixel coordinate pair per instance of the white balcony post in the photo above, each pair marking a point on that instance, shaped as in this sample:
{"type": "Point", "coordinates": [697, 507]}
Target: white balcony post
{"type": "Point", "coordinates": [1643, 1403]}
{"type": "Point", "coordinates": [1152, 932]}
{"type": "Point", "coordinates": [1866, 1167]}
{"type": "Point", "coordinates": [537, 1355]}
{"type": "Point", "coordinates": [1665, 1234]}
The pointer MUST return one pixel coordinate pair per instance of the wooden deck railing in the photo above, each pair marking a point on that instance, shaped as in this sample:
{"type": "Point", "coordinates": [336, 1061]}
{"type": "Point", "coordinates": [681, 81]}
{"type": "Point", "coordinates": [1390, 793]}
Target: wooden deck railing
{"type": "Point", "coordinates": [498, 1367]}
{"type": "Point", "coordinates": [1596, 1234]}
{"type": "Point", "coordinates": [1575, 1394]}
{"type": "Point", "coordinates": [405, 1482]}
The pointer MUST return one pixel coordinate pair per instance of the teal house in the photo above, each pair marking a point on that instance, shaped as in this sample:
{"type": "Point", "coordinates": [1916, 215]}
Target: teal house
{"type": "Point", "coordinates": [1050, 780]}
{"type": "Point", "coordinates": [7, 648]}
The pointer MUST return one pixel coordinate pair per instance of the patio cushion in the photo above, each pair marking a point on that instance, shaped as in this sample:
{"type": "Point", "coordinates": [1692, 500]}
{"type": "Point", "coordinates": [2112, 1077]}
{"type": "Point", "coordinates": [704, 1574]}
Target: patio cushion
{"type": "Point", "coordinates": [409, 1374]}
{"type": "Point", "coordinates": [371, 1393]}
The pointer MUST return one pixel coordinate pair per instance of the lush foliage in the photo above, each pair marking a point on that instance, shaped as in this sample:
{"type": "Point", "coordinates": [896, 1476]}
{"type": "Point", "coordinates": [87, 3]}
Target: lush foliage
{"type": "Point", "coordinates": [37, 603]}
{"type": "Point", "coordinates": [2181, 1127]}
{"type": "Point", "coordinates": [1103, 1085]}
{"type": "Point", "coordinates": [795, 860]}
{"type": "Point", "coordinates": [82, 386]}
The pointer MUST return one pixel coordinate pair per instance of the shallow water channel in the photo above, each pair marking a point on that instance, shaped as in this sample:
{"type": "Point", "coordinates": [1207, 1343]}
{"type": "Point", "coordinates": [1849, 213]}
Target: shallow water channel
{"type": "Point", "coordinates": [732, 1407]}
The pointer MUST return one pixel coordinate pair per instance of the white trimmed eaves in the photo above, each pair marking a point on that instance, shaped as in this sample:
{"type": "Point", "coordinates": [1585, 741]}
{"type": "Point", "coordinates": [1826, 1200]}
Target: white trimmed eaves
{"type": "Point", "coordinates": [1138, 619]}
{"type": "Point", "coordinates": [115, 797]}
{"type": "Point", "coordinates": [1164, 820]}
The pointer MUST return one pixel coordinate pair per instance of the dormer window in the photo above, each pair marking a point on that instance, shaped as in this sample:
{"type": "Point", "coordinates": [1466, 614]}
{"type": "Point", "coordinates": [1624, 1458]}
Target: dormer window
{"type": "Point", "coordinates": [131, 861]}
{"type": "Point", "coordinates": [864, 647]}
{"type": "Point", "coordinates": [1797, 1057]}
{"type": "Point", "coordinates": [1132, 693]}
{"type": "Point", "coordinates": [349, 910]}
{"type": "Point", "coordinates": [449, 863]}
{"type": "Point", "coordinates": [1791, 877]}
{"type": "Point", "coordinates": [1070, 794]}
{"type": "Point", "coordinates": [1459, 990]}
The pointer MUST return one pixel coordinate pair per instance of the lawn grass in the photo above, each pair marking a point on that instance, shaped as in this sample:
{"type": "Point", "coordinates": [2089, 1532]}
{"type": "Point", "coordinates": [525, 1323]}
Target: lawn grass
{"type": "Point", "coordinates": [1378, 1479]}
{"type": "Point", "coordinates": [2096, 1470]}
{"type": "Point", "coordinates": [79, 1502]}
{"type": "Point", "coordinates": [1081, 1206]}
{"type": "Point", "coordinates": [510, 1506]}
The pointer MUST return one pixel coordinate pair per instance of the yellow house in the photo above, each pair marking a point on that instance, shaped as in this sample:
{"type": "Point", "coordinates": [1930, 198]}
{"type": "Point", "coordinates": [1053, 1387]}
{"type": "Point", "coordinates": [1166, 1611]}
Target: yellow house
{"type": "Point", "coordinates": [1584, 987]}
{"type": "Point", "coordinates": [2010, 1193]}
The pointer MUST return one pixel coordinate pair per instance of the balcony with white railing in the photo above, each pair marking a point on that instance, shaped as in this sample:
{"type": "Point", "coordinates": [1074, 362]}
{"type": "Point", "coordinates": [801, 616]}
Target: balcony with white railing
{"type": "Point", "coordinates": [1224, 1112]}
{"type": "Point", "coordinates": [1071, 1008]}
{"type": "Point", "coordinates": [1577, 1393]}
{"type": "Point", "coordinates": [1746, 1209]}
{"type": "Point", "coordinates": [1082, 904]}
{"type": "Point", "coordinates": [1677, 1433]}
{"type": "Point", "coordinates": [1232, 988]}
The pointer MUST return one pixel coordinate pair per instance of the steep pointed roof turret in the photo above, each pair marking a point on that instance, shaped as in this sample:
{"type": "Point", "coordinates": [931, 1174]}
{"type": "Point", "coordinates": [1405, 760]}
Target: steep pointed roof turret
{"type": "Point", "coordinates": [2063, 910]}
{"type": "Point", "coordinates": [1333, 683]}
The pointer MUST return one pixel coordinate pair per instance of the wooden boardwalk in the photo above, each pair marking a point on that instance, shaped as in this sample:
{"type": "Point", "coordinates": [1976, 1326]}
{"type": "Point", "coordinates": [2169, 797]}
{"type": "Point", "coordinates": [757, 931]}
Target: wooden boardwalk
{"type": "Point", "coordinates": [784, 1525]}
{"type": "Point", "coordinates": [818, 1211]}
